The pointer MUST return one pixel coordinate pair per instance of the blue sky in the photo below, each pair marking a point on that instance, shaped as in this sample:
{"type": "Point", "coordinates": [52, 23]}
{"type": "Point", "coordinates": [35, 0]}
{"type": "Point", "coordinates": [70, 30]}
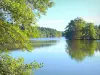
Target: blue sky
{"type": "Point", "coordinates": [63, 11]}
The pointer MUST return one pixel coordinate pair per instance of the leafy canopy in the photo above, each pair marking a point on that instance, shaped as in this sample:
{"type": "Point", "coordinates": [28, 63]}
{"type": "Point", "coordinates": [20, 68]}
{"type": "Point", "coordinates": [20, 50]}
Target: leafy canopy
{"type": "Point", "coordinates": [12, 66]}
{"type": "Point", "coordinates": [13, 14]}
{"type": "Point", "coordinates": [24, 11]}
{"type": "Point", "coordinates": [17, 13]}
{"type": "Point", "coordinates": [79, 29]}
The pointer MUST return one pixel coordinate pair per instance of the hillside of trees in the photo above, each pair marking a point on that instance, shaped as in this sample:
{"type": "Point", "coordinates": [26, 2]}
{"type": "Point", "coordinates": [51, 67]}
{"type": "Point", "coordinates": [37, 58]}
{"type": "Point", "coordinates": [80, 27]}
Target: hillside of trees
{"type": "Point", "coordinates": [80, 29]}
{"type": "Point", "coordinates": [41, 32]}
{"type": "Point", "coordinates": [48, 32]}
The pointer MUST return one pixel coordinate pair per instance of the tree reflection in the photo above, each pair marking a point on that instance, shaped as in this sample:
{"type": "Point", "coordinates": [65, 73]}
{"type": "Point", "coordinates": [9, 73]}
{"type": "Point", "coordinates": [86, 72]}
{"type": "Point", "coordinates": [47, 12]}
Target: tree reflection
{"type": "Point", "coordinates": [79, 49]}
{"type": "Point", "coordinates": [34, 44]}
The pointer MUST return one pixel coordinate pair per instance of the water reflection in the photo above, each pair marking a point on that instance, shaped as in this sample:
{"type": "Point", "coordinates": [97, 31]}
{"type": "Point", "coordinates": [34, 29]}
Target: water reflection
{"type": "Point", "coordinates": [38, 44]}
{"type": "Point", "coordinates": [79, 49]}
{"type": "Point", "coordinates": [34, 44]}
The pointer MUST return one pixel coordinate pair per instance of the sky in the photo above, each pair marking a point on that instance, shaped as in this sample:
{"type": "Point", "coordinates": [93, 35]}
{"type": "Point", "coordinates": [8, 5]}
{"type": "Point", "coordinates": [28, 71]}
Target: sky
{"type": "Point", "coordinates": [63, 11]}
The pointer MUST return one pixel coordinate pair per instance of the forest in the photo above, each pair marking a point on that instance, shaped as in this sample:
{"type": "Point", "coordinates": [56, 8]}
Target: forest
{"type": "Point", "coordinates": [41, 32]}
{"type": "Point", "coordinates": [49, 32]}
{"type": "Point", "coordinates": [78, 29]}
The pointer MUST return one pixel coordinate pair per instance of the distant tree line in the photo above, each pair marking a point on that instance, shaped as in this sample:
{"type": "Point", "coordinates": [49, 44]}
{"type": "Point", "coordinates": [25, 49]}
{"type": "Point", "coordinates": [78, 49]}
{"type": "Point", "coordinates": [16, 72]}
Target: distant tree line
{"type": "Point", "coordinates": [49, 32]}
{"type": "Point", "coordinates": [41, 32]}
{"type": "Point", "coordinates": [80, 29]}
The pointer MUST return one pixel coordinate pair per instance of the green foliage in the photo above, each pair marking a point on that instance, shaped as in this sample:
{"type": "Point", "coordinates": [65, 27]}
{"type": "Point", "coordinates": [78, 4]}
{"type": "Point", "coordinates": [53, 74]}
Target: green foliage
{"type": "Point", "coordinates": [20, 13]}
{"type": "Point", "coordinates": [79, 29]}
{"type": "Point", "coordinates": [97, 28]}
{"type": "Point", "coordinates": [12, 66]}
{"type": "Point", "coordinates": [73, 30]}
{"type": "Point", "coordinates": [38, 32]}
{"type": "Point", "coordinates": [24, 11]}
{"type": "Point", "coordinates": [48, 32]}
{"type": "Point", "coordinates": [11, 34]}
{"type": "Point", "coordinates": [31, 31]}
{"type": "Point", "coordinates": [89, 31]}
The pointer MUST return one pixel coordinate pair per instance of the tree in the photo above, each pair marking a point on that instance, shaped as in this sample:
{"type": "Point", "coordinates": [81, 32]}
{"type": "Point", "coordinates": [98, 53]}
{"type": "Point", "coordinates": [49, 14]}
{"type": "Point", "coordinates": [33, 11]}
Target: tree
{"type": "Point", "coordinates": [89, 31]}
{"type": "Point", "coordinates": [79, 29]}
{"type": "Point", "coordinates": [48, 32]}
{"type": "Point", "coordinates": [97, 28]}
{"type": "Point", "coordinates": [10, 34]}
{"type": "Point", "coordinates": [73, 30]}
{"type": "Point", "coordinates": [22, 13]}
{"type": "Point", "coordinates": [12, 66]}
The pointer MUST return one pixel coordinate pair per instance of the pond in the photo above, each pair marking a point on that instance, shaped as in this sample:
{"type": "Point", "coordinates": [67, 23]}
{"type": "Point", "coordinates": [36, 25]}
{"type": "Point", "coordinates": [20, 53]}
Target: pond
{"type": "Point", "coordinates": [63, 57]}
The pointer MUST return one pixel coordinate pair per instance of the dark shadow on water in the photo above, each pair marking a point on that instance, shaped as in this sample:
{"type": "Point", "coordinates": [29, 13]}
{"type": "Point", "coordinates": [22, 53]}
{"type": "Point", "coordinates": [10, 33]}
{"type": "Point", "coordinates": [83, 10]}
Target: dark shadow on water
{"type": "Point", "coordinates": [80, 49]}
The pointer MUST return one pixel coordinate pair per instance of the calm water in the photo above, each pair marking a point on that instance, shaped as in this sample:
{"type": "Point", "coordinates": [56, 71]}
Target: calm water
{"type": "Point", "coordinates": [63, 57]}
